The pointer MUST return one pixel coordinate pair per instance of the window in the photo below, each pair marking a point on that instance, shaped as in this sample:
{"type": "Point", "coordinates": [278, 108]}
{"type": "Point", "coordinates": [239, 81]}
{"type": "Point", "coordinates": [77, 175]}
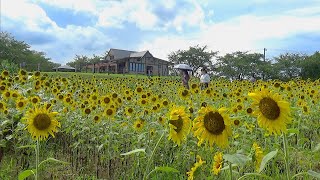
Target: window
{"type": "Point", "coordinates": [138, 67]}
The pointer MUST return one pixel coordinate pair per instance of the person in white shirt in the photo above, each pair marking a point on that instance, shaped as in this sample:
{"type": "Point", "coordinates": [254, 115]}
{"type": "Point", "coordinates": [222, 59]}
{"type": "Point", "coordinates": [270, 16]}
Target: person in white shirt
{"type": "Point", "coordinates": [204, 79]}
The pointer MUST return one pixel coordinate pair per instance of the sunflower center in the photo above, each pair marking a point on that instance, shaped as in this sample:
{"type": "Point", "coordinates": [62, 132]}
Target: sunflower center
{"type": "Point", "coordinates": [109, 112]}
{"type": "Point", "coordinates": [214, 123]}
{"type": "Point", "coordinates": [269, 108]}
{"type": "Point", "coordinates": [42, 121]}
{"type": "Point", "coordinates": [177, 123]}
{"type": "Point", "coordinates": [20, 104]}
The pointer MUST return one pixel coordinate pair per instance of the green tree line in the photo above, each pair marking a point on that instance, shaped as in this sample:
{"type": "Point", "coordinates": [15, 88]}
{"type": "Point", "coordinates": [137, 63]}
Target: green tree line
{"type": "Point", "coordinates": [244, 65]}
{"type": "Point", "coordinates": [15, 54]}
{"type": "Point", "coordinates": [80, 62]}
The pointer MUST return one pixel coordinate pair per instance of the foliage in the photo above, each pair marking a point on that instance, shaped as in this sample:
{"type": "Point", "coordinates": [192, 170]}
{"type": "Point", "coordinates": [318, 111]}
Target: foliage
{"type": "Point", "coordinates": [10, 67]}
{"type": "Point", "coordinates": [241, 65]}
{"type": "Point", "coordinates": [310, 67]}
{"type": "Point", "coordinates": [287, 65]}
{"type": "Point", "coordinates": [195, 56]}
{"type": "Point", "coordinates": [111, 147]}
{"type": "Point", "coordinates": [81, 61]}
{"type": "Point", "coordinates": [20, 54]}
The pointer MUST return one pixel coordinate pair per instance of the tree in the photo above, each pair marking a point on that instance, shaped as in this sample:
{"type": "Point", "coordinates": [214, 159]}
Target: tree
{"type": "Point", "coordinates": [240, 65]}
{"type": "Point", "coordinates": [19, 53]}
{"type": "Point", "coordinates": [95, 60]}
{"type": "Point", "coordinates": [195, 56]}
{"type": "Point", "coordinates": [310, 66]}
{"type": "Point", "coordinates": [288, 65]}
{"type": "Point", "coordinates": [78, 62]}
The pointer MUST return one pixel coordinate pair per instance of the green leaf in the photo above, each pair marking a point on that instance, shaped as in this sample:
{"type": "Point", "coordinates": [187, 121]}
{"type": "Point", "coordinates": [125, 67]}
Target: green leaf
{"type": "Point", "coordinates": [167, 169]}
{"type": "Point", "coordinates": [24, 174]}
{"type": "Point", "coordinates": [267, 158]}
{"type": "Point", "coordinates": [3, 143]}
{"type": "Point", "coordinates": [133, 151]}
{"type": "Point", "coordinates": [317, 148]}
{"type": "Point", "coordinates": [238, 159]}
{"type": "Point", "coordinates": [314, 174]}
{"type": "Point", "coordinates": [294, 131]}
{"type": "Point", "coordinates": [52, 160]}
{"type": "Point", "coordinates": [5, 122]}
{"type": "Point", "coordinates": [27, 146]}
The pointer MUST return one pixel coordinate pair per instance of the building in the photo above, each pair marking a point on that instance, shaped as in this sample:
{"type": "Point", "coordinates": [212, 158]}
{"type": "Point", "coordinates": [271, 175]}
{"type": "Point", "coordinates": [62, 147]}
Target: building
{"type": "Point", "coordinates": [65, 68]}
{"type": "Point", "coordinates": [132, 62]}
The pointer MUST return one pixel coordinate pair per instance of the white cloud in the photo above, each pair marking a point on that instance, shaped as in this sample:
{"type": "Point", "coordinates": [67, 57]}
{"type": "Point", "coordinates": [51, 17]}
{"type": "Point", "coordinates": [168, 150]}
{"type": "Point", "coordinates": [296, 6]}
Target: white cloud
{"type": "Point", "coordinates": [191, 17]}
{"type": "Point", "coordinates": [243, 33]}
{"type": "Point", "coordinates": [74, 5]}
{"type": "Point", "coordinates": [67, 42]}
{"type": "Point", "coordinates": [31, 15]}
{"type": "Point", "coordinates": [134, 11]}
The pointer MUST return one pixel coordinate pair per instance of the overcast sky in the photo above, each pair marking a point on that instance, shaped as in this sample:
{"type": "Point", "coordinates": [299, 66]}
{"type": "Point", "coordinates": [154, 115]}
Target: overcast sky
{"type": "Point", "coordinates": [64, 28]}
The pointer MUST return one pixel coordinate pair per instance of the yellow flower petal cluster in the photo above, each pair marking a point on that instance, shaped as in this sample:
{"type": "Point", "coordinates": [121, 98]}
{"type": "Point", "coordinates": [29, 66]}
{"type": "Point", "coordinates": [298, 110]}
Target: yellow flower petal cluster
{"type": "Point", "coordinates": [179, 125]}
{"type": "Point", "coordinates": [195, 167]}
{"type": "Point", "coordinates": [212, 126]}
{"type": "Point", "coordinates": [218, 163]}
{"type": "Point", "coordinates": [41, 122]}
{"type": "Point", "coordinates": [273, 113]}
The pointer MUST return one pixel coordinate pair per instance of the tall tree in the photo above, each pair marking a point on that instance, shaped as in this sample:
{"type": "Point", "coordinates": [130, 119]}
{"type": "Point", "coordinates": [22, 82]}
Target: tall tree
{"type": "Point", "coordinates": [288, 65]}
{"type": "Point", "coordinates": [195, 56]}
{"type": "Point", "coordinates": [79, 62]}
{"type": "Point", "coordinates": [310, 67]}
{"type": "Point", "coordinates": [19, 53]}
{"type": "Point", "coordinates": [240, 65]}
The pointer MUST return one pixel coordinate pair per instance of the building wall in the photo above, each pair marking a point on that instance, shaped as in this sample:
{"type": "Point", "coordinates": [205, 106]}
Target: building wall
{"type": "Point", "coordinates": [140, 66]}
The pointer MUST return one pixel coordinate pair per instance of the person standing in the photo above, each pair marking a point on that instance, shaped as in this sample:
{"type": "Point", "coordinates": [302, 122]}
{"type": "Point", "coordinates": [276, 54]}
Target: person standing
{"type": "Point", "coordinates": [204, 79]}
{"type": "Point", "coordinates": [185, 78]}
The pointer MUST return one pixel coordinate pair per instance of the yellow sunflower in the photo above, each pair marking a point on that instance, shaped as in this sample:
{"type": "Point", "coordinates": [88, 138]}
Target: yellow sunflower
{"type": "Point", "coordinates": [273, 113]}
{"type": "Point", "coordinates": [195, 167]}
{"type": "Point", "coordinates": [41, 122]}
{"type": "Point", "coordinates": [212, 126]}
{"type": "Point", "coordinates": [218, 162]}
{"type": "Point", "coordinates": [179, 124]}
{"type": "Point", "coordinates": [21, 103]}
{"type": "Point", "coordinates": [258, 155]}
{"type": "Point", "coordinates": [138, 124]}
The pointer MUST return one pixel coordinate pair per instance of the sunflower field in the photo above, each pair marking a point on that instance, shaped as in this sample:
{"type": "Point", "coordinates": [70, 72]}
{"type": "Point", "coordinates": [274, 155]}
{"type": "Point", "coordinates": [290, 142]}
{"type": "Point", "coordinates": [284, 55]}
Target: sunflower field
{"type": "Point", "coordinates": [70, 126]}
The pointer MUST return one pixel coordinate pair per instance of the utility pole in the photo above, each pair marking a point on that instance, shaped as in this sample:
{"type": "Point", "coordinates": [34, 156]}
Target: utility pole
{"type": "Point", "coordinates": [264, 59]}
{"type": "Point", "coordinates": [264, 54]}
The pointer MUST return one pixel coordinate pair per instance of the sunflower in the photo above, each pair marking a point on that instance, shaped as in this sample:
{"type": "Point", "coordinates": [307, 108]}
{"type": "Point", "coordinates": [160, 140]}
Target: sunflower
{"type": "Point", "coordinates": [179, 124]}
{"type": "Point", "coordinates": [258, 155]}
{"type": "Point", "coordinates": [109, 112]}
{"type": "Point", "coordinates": [21, 103]}
{"type": "Point", "coordinates": [218, 162]}
{"type": "Point", "coordinates": [41, 122]}
{"type": "Point", "coordinates": [273, 113]}
{"type": "Point", "coordinates": [2, 106]}
{"type": "Point", "coordinates": [35, 99]}
{"type": "Point", "coordinates": [138, 124]}
{"type": "Point", "coordinates": [195, 167]}
{"type": "Point", "coordinates": [97, 118]}
{"type": "Point", "coordinates": [212, 126]}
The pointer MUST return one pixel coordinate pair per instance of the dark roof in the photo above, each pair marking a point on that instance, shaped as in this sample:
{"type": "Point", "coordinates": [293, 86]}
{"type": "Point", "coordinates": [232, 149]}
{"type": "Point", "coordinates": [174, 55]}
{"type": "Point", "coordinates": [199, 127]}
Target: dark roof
{"type": "Point", "coordinates": [119, 53]}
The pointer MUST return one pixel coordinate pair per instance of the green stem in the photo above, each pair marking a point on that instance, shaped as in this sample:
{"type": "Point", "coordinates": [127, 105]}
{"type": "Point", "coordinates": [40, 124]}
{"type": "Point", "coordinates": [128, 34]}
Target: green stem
{"type": "Point", "coordinates": [299, 174]}
{"type": "Point", "coordinates": [148, 163]}
{"type": "Point", "coordinates": [37, 159]}
{"type": "Point", "coordinates": [286, 153]}
{"type": "Point", "coordinates": [230, 168]}
{"type": "Point", "coordinates": [254, 174]}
